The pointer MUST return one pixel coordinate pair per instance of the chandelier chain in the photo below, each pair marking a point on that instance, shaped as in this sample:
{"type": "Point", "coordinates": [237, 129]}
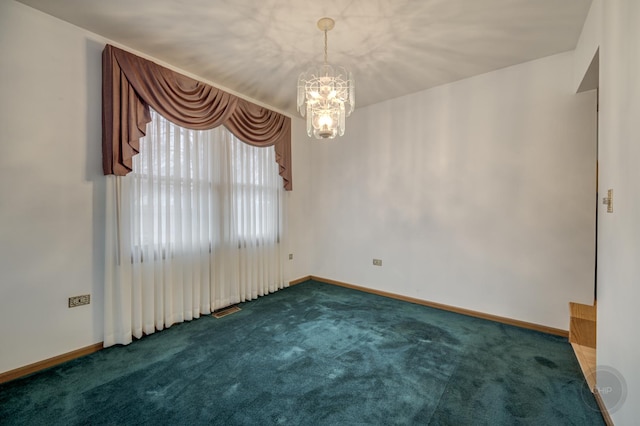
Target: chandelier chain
{"type": "Point", "coordinates": [325, 47]}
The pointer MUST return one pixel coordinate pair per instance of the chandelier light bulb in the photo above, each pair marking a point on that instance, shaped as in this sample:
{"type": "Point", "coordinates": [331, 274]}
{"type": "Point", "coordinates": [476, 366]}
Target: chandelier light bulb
{"type": "Point", "coordinates": [325, 121]}
{"type": "Point", "coordinates": [326, 94]}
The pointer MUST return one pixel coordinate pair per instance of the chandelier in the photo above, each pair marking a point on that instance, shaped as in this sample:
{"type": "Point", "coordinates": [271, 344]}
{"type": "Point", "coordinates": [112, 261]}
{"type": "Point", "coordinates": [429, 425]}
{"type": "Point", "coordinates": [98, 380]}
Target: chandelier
{"type": "Point", "coordinates": [326, 94]}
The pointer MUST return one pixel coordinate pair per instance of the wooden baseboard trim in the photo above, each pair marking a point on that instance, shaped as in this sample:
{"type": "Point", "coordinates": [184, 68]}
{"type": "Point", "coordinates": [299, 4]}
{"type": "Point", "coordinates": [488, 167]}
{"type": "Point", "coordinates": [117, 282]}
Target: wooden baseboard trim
{"type": "Point", "coordinates": [300, 280]}
{"type": "Point", "coordinates": [51, 362]}
{"type": "Point", "coordinates": [47, 363]}
{"type": "Point", "coordinates": [603, 407]}
{"type": "Point", "coordinates": [468, 312]}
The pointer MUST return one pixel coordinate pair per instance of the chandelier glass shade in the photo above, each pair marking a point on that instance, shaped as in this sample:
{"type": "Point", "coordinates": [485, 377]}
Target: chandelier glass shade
{"type": "Point", "coordinates": [326, 94]}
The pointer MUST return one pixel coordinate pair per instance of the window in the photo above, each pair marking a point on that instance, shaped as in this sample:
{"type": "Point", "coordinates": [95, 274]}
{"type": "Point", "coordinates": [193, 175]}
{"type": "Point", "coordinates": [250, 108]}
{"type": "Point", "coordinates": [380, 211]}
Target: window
{"type": "Point", "coordinates": [198, 190]}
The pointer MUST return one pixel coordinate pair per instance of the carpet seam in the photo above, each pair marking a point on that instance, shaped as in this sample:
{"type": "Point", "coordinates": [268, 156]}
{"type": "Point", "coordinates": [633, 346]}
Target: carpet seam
{"type": "Point", "coordinates": [447, 385]}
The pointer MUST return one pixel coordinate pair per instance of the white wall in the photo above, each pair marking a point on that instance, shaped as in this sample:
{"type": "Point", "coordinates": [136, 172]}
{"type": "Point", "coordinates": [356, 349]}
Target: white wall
{"type": "Point", "coordinates": [300, 233]}
{"type": "Point", "coordinates": [478, 194]}
{"type": "Point", "coordinates": [588, 45]}
{"type": "Point", "coordinates": [51, 190]}
{"type": "Point", "coordinates": [618, 343]}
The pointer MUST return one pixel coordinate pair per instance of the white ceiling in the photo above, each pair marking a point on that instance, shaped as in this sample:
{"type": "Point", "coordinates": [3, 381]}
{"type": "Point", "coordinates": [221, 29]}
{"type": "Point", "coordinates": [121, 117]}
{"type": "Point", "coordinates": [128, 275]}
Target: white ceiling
{"type": "Point", "coordinates": [394, 47]}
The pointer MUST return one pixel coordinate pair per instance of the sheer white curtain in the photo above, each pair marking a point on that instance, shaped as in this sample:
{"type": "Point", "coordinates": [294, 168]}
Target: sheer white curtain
{"type": "Point", "coordinates": [196, 226]}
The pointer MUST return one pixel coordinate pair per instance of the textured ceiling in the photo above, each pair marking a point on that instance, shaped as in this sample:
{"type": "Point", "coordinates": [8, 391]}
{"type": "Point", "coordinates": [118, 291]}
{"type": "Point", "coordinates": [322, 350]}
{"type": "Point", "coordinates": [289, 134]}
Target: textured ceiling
{"type": "Point", "coordinates": [394, 47]}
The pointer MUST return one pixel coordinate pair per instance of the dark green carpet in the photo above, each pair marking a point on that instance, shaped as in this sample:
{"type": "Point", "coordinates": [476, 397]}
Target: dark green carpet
{"type": "Point", "coordinates": [316, 354]}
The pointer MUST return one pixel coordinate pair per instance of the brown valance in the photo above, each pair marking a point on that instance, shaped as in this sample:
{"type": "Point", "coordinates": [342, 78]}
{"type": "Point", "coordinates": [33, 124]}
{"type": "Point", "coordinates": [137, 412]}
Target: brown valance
{"type": "Point", "coordinates": [131, 84]}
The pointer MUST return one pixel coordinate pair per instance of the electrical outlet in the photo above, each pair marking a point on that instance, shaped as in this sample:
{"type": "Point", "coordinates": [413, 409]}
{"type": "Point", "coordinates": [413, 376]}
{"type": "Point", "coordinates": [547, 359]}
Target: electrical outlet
{"type": "Point", "coordinates": [377, 262]}
{"type": "Point", "coordinates": [74, 301]}
{"type": "Point", "coordinates": [290, 256]}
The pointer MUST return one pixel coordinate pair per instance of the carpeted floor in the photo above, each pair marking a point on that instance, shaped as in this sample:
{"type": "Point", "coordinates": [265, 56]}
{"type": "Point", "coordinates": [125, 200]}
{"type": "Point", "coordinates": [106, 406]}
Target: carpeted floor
{"type": "Point", "coordinates": [316, 354]}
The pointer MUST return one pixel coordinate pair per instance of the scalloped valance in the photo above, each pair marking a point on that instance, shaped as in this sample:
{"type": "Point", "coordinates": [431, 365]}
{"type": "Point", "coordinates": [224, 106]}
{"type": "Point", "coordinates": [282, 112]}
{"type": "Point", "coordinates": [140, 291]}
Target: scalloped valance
{"type": "Point", "coordinates": [131, 84]}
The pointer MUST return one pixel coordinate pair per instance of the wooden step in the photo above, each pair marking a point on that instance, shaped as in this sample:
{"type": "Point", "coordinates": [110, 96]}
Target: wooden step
{"type": "Point", "coordinates": [587, 359]}
{"type": "Point", "coordinates": [582, 324]}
